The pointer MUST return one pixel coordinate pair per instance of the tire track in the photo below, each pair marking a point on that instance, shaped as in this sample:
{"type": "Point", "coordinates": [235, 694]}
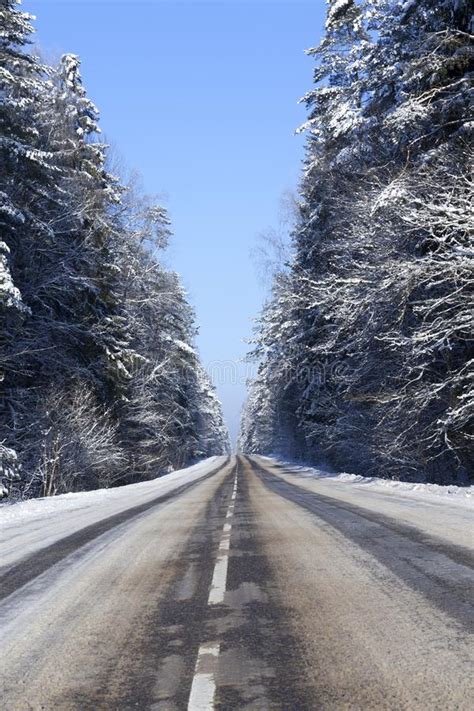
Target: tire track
{"type": "Point", "coordinates": [441, 572]}
{"type": "Point", "coordinates": [14, 577]}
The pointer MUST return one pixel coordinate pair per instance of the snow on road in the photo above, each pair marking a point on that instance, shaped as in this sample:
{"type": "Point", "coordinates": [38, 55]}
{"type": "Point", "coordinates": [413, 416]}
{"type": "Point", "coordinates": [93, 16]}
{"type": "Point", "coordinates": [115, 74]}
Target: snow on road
{"type": "Point", "coordinates": [444, 512]}
{"type": "Point", "coordinates": [28, 526]}
{"type": "Point", "coordinates": [459, 495]}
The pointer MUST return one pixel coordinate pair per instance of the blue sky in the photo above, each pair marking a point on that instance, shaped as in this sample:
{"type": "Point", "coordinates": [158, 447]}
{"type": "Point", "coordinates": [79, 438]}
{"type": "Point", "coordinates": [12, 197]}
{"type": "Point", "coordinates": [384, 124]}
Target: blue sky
{"type": "Point", "coordinates": [201, 99]}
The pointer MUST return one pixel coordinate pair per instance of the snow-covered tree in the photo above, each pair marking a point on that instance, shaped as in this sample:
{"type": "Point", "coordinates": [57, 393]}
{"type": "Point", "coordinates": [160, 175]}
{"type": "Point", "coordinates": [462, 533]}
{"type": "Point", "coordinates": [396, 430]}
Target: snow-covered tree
{"type": "Point", "coordinates": [26, 170]}
{"type": "Point", "coordinates": [100, 380]}
{"type": "Point", "coordinates": [379, 345]}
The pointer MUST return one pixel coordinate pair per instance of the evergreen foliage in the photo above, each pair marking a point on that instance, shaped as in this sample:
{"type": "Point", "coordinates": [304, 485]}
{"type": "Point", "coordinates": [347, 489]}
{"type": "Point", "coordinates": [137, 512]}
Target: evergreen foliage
{"type": "Point", "coordinates": [100, 381]}
{"type": "Point", "coordinates": [366, 357]}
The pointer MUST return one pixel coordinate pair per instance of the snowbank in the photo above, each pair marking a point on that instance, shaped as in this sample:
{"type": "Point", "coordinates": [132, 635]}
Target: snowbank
{"type": "Point", "coordinates": [461, 495]}
{"type": "Point", "coordinates": [115, 499]}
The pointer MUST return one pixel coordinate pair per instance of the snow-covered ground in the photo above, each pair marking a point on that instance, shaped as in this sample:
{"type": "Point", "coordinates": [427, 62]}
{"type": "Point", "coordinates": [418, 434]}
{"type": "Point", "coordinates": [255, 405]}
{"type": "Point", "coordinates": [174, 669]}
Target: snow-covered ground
{"type": "Point", "coordinates": [31, 525]}
{"type": "Point", "coordinates": [462, 495]}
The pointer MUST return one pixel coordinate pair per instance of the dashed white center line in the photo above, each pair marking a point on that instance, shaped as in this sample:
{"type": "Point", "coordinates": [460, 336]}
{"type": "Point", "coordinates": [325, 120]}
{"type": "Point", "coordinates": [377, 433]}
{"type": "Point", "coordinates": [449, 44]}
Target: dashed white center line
{"type": "Point", "coordinates": [216, 596]}
{"type": "Point", "coordinates": [203, 688]}
{"type": "Point", "coordinates": [219, 578]}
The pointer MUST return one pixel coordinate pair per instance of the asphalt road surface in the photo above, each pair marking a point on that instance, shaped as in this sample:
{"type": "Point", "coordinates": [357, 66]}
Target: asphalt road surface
{"type": "Point", "coordinates": [244, 587]}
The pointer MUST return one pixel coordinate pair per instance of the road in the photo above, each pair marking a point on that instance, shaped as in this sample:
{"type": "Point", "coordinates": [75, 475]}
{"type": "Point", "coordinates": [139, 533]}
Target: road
{"type": "Point", "coordinates": [241, 587]}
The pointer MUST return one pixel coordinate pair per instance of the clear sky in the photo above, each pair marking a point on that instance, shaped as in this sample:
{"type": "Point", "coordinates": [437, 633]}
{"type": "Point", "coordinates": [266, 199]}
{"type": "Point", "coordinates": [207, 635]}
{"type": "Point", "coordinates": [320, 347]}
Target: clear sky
{"type": "Point", "coordinates": [201, 99]}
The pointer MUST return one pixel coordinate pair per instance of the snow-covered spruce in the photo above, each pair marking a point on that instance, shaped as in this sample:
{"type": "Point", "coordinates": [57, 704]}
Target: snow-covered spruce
{"type": "Point", "coordinates": [101, 383]}
{"type": "Point", "coordinates": [365, 352]}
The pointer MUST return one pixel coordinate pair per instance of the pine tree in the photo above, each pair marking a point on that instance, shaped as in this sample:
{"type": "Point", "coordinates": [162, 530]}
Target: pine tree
{"type": "Point", "coordinates": [382, 277]}
{"type": "Point", "coordinates": [26, 169]}
{"type": "Point", "coordinates": [101, 382]}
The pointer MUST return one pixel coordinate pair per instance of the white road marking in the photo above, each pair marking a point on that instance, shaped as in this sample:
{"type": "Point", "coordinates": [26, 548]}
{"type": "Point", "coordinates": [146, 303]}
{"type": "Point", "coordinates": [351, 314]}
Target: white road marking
{"type": "Point", "coordinates": [224, 544]}
{"type": "Point", "coordinates": [203, 688]}
{"type": "Point", "coordinates": [219, 580]}
{"type": "Point", "coordinates": [219, 577]}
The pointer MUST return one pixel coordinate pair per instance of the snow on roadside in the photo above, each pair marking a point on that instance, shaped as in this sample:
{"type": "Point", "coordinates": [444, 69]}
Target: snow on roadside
{"type": "Point", "coordinates": [118, 498]}
{"type": "Point", "coordinates": [459, 495]}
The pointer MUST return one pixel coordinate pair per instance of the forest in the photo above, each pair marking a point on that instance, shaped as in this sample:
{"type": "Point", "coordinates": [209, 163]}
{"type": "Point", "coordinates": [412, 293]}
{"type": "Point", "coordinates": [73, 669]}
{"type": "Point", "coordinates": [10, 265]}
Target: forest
{"type": "Point", "coordinates": [101, 383]}
{"type": "Point", "coordinates": [364, 348]}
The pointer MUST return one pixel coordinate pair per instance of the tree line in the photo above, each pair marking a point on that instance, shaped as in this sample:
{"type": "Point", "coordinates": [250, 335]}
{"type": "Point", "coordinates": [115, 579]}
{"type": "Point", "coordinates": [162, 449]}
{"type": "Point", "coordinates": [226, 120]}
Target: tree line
{"type": "Point", "coordinates": [100, 381]}
{"type": "Point", "coordinates": [365, 347]}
